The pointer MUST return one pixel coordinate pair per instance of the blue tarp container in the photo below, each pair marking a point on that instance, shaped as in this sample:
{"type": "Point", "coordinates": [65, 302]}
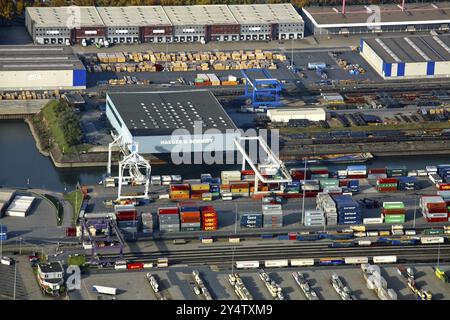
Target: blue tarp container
{"type": "Point", "coordinates": [283, 237]}
{"type": "Point", "coordinates": [356, 168]}
{"type": "Point", "coordinates": [266, 236]}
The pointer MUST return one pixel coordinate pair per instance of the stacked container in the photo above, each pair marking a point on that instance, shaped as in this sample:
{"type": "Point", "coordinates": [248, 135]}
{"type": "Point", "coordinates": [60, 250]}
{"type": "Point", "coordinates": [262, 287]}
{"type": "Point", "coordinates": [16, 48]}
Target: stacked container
{"type": "Point", "coordinates": [293, 187]}
{"type": "Point", "coordinates": [353, 185]}
{"type": "Point", "coordinates": [179, 191]}
{"type": "Point", "coordinates": [387, 184]}
{"type": "Point", "coordinates": [252, 220]}
{"type": "Point", "coordinates": [190, 218]}
{"type": "Point", "coordinates": [319, 172]}
{"type": "Point", "coordinates": [328, 183]}
{"type": "Point", "coordinates": [299, 174]}
{"type": "Point", "coordinates": [127, 218]}
{"type": "Point", "coordinates": [205, 178]}
{"type": "Point", "coordinates": [314, 218]}
{"type": "Point", "coordinates": [434, 208]}
{"type": "Point", "coordinates": [240, 189]}
{"type": "Point", "coordinates": [394, 212]}
{"type": "Point", "coordinates": [248, 175]}
{"type": "Point", "coordinates": [356, 172]}
{"type": "Point", "coordinates": [169, 219]}
{"type": "Point", "coordinates": [396, 171]}
{"type": "Point", "coordinates": [147, 223]}
{"type": "Point", "coordinates": [348, 210]}
{"type": "Point", "coordinates": [215, 190]}
{"type": "Point", "coordinates": [443, 171]}
{"type": "Point", "coordinates": [230, 176]}
{"type": "Point", "coordinates": [272, 216]}
{"type": "Point", "coordinates": [342, 174]}
{"type": "Point", "coordinates": [376, 173]}
{"type": "Point", "coordinates": [407, 183]}
{"type": "Point", "coordinates": [325, 203]}
{"type": "Point", "coordinates": [209, 218]}
{"type": "Point", "coordinates": [198, 189]}
{"type": "Point", "coordinates": [446, 197]}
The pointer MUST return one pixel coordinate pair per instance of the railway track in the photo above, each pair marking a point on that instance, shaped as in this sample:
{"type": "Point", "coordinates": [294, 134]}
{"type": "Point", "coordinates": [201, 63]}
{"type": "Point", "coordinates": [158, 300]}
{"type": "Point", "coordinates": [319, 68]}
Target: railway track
{"type": "Point", "coordinates": [416, 253]}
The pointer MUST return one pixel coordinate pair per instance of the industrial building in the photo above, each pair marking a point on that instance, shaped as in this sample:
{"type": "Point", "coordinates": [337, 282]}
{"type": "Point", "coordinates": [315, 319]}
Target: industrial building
{"type": "Point", "coordinates": [160, 121]}
{"type": "Point", "coordinates": [268, 21]}
{"type": "Point", "coordinates": [58, 25]}
{"type": "Point", "coordinates": [286, 114]}
{"type": "Point", "coordinates": [408, 57]}
{"type": "Point", "coordinates": [357, 19]}
{"type": "Point", "coordinates": [40, 68]}
{"type": "Point", "coordinates": [198, 23]}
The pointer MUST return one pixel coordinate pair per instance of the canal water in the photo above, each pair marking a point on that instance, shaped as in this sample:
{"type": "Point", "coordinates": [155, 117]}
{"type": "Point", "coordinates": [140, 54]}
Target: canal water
{"type": "Point", "coordinates": [21, 164]}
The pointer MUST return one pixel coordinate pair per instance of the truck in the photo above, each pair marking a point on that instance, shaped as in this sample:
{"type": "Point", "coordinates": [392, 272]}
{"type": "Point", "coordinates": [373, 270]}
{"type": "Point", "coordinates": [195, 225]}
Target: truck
{"type": "Point", "coordinates": [153, 283]}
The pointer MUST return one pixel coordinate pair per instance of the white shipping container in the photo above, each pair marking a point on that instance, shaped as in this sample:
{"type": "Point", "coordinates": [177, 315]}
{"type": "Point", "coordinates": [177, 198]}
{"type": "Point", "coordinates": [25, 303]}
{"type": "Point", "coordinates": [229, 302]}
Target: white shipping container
{"type": "Point", "coordinates": [302, 262]}
{"type": "Point", "coordinates": [384, 259]}
{"type": "Point", "coordinates": [364, 243]}
{"type": "Point", "coordinates": [234, 240]}
{"type": "Point", "coordinates": [247, 264]}
{"type": "Point", "coordinates": [276, 263]}
{"type": "Point", "coordinates": [372, 220]}
{"type": "Point", "coordinates": [431, 240]}
{"type": "Point", "coordinates": [372, 233]}
{"type": "Point", "coordinates": [410, 232]}
{"type": "Point", "coordinates": [356, 260]}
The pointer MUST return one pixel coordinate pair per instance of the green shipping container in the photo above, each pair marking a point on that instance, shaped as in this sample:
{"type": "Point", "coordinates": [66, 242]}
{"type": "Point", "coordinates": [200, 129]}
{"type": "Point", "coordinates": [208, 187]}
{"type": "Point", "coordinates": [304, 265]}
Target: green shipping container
{"type": "Point", "coordinates": [329, 183]}
{"type": "Point", "coordinates": [393, 205]}
{"type": "Point", "coordinates": [388, 219]}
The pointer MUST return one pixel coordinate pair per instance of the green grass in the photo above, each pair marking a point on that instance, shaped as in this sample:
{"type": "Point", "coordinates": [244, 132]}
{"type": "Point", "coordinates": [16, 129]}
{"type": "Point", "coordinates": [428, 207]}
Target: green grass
{"type": "Point", "coordinates": [57, 132]}
{"type": "Point", "coordinates": [59, 207]}
{"type": "Point", "coordinates": [405, 126]}
{"type": "Point", "coordinates": [75, 198]}
{"type": "Point", "coordinates": [79, 260]}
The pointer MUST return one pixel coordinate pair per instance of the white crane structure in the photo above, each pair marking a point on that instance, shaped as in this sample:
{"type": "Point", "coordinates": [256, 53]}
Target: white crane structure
{"type": "Point", "coordinates": [133, 164]}
{"type": "Point", "coordinates": [272, 165]}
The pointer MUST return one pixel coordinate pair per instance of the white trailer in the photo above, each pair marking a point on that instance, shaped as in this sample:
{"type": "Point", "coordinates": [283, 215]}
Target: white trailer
{"type": "Point", "coordinates": [302, 262]}
{"type": "Point", "coordinates": [384, 259]}
{"type": "Point", "coordinates": [247, 264]}
{"type": "Point", "coordinates": [431, 240]}
{"type": "Point", "coordinates": [276, 263]}
{"type": "Point", "coordinates": [356, 260]}
{"type": "Point", "coordinates": [104, 290]}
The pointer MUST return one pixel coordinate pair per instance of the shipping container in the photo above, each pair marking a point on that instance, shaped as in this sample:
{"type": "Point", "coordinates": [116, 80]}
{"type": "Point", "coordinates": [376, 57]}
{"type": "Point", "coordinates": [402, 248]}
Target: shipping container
{"type": "Point", "coordinates": [384, 259]}
{"type": "Point", "coordinates": [276, 263]}
{"type": "Point", "coordinates": [302, 262]}
{"type": "Point", "coordinates": [356, 260]}
{"type": "Point", "coordinates": [247, 264]}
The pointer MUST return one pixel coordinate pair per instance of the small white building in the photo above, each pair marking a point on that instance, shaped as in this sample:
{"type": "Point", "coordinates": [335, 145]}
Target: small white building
{"type": "Point", "coordinates": [50, 276]}
{"type": "Point", "coordinates": [20, 206]}
{"type": "Point", "coordinates": [286, 114]}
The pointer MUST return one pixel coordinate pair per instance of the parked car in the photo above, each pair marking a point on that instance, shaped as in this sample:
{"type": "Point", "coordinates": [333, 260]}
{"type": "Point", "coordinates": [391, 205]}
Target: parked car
{"type": "Point", "coordinates": [7, 261]}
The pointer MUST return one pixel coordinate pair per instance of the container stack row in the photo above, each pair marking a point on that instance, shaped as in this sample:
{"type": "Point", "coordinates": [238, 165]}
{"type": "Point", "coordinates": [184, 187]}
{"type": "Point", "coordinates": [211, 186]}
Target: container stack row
{"type": "Point", "coordinates": [209, 219]}
{"type": "Point", "coordinates": [407, 183]}
{"type": "Point", "coordinates": [252, 220]}
{"type": "Point", "coordinates": [387, 184]}
{"type": "Point", "coordinates": [190, 218]}
{"type": "Point", "coordinates": [147, 223]}
{"type": "Point", "coordinates": [314, 218]}
{"type": "Point", "coordinates": [127, 218]}
{"type": "Point", "coordinates": [348, 210]}
{"type": "Point", "coordinates": [434, 208]}
{"type": "Point", "coordinates": [394, 212]}
{"type": "Point", "coordinates": [272, 216]}
{"type": "Point", "coordinates": [376, 173]}
{"type": "Point", "coordinates": [169, 219]}
{"type": "Point", "coordinates": [325, 203]}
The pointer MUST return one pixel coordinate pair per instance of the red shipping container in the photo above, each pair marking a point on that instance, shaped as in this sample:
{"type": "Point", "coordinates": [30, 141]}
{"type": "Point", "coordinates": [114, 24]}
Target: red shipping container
{"type": "Point", "coordinates": [310, 194]}
{"type": "Point", "coordinates": [444, 186]}
{"type": "Point", "coordinates": [387, 180]}
{"type": "Point", "coordinates": [393, 211]}
{"type": "Point", "coordinates": [247, 172]}
{"type": "Point", "coordinates": [135, 266]}
{"type": "Point", "coordinates": [436, 219]}
{"type": "Point", "coordinates": [436, 205]}
{"type": "Point", "coordinates": [126, 215]}
{"type": "Point", "coordinates": [343, 183]}
{"type": "Point", "coordinates": [387, 189]}
{"type": "Point", "coordinates": [377, 170]}
{"type": "Point", "coordinates": [71, 232]}
{"type": "Point", "coordinates": [356, 176]}
{"type": "Point", "coordinates": [178, 187]}
{"type": "Point", "coordinates": [319, 171]}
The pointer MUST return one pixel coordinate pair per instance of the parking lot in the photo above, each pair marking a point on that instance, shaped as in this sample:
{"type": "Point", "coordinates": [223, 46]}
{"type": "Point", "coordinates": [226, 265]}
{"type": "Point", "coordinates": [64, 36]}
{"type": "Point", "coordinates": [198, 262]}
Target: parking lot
{"type": "Point", "coordinates": [177, 284]}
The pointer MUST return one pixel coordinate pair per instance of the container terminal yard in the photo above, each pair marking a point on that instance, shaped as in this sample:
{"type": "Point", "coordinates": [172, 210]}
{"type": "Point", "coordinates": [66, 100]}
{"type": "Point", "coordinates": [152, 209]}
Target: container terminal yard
{"type": "Point", "coordinates": [226, 152]}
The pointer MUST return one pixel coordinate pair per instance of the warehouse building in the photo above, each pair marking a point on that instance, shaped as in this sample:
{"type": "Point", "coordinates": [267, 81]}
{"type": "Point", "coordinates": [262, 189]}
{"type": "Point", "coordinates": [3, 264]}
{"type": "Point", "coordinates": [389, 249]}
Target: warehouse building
{"type": "Point", "coordinates": [40, 68]}
{"type": "Point", "coordinates": [357, 19]}
{"type": "Point", "coordinates": [286, 114]}
{"type": "Point", "coordinates": [198, 23]}
{"type": "Point", "coordinates": [268, 21]}
{"type": "Point", "coordinates": [136, 24]}
{"type": "Point", "coordinates": [60, 25]}
{"type": "Point", "coordinates": [151, 118]}
{"type": "Point", "coordinates": [408, 57]}
{"type": "Point", "coordinates": [202, 23]}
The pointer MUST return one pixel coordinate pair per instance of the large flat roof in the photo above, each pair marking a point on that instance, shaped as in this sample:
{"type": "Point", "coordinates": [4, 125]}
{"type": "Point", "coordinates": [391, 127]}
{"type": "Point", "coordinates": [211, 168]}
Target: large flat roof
{"type": "Point", "coordinates": [200, 15]}
{"type": "Point", "coordinates": [34, 57]}
{"type": "Point", "coordinates": [412, 48]}
{"type": "Point", "coordinates": [133, 16]}
{"type": "Point", "coordinates": [159, 113]}
{"type": "Point", "coordinates": [265, 13]}
{"type": "Point", "coordinates": [390, 14]}
{"type": "Point", "coordinates": [61, 16]}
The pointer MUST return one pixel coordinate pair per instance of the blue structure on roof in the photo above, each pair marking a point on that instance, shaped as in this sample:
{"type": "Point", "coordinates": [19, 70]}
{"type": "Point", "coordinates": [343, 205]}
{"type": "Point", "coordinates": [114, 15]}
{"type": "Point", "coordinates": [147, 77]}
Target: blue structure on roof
{"type": "Point", "coordinates": [263, 91]}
